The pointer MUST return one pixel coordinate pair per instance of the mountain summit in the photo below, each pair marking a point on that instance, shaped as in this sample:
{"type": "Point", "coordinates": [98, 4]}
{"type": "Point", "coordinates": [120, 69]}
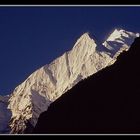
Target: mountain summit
{"type": "Point", "coordinates": [118, 38]}
{"type": "Point", "coordinates": [45, 85]}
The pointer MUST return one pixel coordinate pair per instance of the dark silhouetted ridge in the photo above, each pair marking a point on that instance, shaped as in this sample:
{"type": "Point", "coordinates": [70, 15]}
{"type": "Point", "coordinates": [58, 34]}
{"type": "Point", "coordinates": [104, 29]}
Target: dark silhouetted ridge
{"type": "Point", "coordinates": [107, 102]}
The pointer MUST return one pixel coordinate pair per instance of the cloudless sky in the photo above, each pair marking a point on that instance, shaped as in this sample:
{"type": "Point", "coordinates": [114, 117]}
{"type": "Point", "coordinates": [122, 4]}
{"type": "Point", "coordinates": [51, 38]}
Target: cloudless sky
{"type": "Point", "coordinates": [31, 37]}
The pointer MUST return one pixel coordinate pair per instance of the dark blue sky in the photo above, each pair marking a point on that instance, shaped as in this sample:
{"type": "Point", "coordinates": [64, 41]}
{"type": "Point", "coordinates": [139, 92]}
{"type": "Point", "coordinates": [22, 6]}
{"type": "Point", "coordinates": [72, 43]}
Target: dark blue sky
{"type": "Point", "coordinates": [34, 36]}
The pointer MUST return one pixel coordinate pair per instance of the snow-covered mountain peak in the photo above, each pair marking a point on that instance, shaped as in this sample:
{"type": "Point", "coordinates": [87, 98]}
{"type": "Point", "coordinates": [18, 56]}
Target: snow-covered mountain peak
{"type": "Point", "coordinates": [48, 83]}
{"type": "Point", "coordinates": [45, 85]}
{"type": "Point", "coordinates": [84, 39]}
{"type": "Point", "coordinates": [85, 36]}
{"type": "Point", "coordinates": [119, 40]}
{"type": "Point", "coordinates": [121, 34]}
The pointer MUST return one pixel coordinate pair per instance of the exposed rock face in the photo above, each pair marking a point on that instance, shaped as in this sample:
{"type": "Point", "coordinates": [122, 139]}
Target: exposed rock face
{"type": "Point", "coordinates": [45, 85]}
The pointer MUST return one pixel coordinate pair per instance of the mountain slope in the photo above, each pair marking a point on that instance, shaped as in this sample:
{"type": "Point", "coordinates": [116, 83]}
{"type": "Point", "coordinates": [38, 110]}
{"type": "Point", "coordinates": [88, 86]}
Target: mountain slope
{"type": "Point", "coordinates": [45, 85]}
{"type": "Point", "coordinates": [107, 102]}
{"type": "Point", "coordinates": [5, 114]}
{"type": "Point", "coordinates": [51, 81]}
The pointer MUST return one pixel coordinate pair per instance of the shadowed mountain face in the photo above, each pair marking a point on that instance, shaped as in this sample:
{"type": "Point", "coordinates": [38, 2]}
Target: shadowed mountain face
{"type": "Point", "coordinates": [107, 102]}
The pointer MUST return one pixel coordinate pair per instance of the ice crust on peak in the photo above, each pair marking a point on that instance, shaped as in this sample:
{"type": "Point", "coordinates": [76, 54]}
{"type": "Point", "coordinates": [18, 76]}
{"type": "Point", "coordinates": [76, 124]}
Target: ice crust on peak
{"type": "Point", "coordinates": [121, 34]}
{"type": "Point", "coordinates": [45, 85]}
{"type": "Point", "coordinates": [119, 40]}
